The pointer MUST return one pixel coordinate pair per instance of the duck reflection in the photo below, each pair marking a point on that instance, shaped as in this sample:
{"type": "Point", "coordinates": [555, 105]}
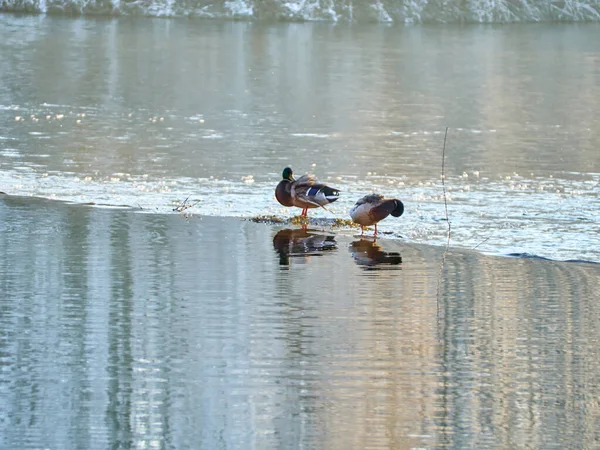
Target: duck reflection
{"type": "Point", "coordinates": [369, 254]}
{"type": "Point", "coordinates": [301, 242]}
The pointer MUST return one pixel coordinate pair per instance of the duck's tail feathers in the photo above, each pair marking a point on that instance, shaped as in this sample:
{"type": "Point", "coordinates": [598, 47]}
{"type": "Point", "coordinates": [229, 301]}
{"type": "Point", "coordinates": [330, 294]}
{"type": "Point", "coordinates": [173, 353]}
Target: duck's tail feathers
{"type": "Point", "coordinates": [323, 192]}
{"type": "Point", "coordinates": [330, 194]}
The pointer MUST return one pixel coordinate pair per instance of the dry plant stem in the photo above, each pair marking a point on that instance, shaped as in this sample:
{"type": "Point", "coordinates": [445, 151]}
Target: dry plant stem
{"type": "Point", "coordinates": [185, 205]}
{"type": "Point", "coordinates": [444, 189]}
{"type": "Point", "coordinates": [182, 206]}
{"type": "Point", "coordinates": [482, 242]}
{"type": "Point", "coordinates": [439, 288]}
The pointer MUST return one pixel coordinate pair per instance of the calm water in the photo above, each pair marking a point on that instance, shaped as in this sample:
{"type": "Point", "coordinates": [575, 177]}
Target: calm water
{"type": "Point", "coordinates": [129, 330]}
{"type": "Point", "coordinates": [140, 327]}
{"type": "Point", "coordinates": [343, 11]}
{"type": "Point", "coordinates": [148, 112]}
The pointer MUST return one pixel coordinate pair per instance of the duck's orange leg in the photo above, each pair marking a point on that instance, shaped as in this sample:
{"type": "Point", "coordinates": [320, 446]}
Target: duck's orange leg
{"type": "Point", "coordinates": [304, 212]}
{"type": "Point", "coordinates": [375, 230]}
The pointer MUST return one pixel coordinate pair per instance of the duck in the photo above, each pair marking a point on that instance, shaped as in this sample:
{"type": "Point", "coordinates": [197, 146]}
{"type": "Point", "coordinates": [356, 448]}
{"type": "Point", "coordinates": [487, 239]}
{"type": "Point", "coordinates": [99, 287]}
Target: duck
{"type": "Point", "coordinates": [373, 208]}
{"type": "Point", "coordinates": [305, 192]}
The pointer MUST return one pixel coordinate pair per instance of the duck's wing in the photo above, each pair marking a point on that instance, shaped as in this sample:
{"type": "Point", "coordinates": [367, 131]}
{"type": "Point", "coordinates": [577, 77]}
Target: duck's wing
{"type": "Point", "coordinates": [317, 194]}
{"type": "Point", "coordinates": [371, 200]}
{"type": "Point", "coordinates": [306, 180]}
{"type": "Point", "coordinates": [308, 189]}
{"type": "Point", "coordinates": [361, 211]}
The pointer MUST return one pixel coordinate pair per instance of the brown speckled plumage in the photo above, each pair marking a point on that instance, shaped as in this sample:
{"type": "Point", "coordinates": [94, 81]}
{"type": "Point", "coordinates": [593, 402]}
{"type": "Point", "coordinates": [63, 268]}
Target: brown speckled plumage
{"type": "Point", "coordinates": [373, 208]}
{"type": "Point", "coordinates": [305, 192]}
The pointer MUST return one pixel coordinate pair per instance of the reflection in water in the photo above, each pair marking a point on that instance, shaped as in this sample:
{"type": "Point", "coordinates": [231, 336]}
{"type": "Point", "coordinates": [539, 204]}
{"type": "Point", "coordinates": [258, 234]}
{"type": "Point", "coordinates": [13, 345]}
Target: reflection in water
{"type": "Point", "coordinates": [114, 125]}
{"type": "Point", "coordinates": [301, 242]}
{"type": "Point", "coordinates": [369, 254]}
{"type": "Point", "coordinates": [126, 330]}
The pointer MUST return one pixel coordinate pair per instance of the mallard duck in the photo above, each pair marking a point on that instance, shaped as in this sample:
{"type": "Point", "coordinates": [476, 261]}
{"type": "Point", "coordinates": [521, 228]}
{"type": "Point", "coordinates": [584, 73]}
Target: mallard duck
{"type": "Point", "coordinates": [373, 208]}
{"type": "Point", "coordinates": [305, 192]}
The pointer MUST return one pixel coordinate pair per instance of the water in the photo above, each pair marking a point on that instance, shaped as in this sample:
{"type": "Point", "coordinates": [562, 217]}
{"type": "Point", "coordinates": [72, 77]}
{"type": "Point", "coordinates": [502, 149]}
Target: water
{"type": "Point", "coordinates": [381, 11]}
{"type": "Point", "coordinates": [129, 330]}
{"type": "Point", "coordinates": [147, 113]}
{"type": "Point", "coordinates": [126, 324]}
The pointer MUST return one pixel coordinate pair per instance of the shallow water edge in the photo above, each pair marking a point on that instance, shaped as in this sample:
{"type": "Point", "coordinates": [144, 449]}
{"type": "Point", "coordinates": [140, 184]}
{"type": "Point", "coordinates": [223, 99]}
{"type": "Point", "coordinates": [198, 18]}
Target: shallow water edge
{"type": "Point", "coordinates": [214, 110]}
{"type": "Point", "coordinates": [342, 226]}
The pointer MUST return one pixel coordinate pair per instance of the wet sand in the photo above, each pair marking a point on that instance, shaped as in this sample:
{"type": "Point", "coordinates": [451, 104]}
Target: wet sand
{"type": "Point", "coordinates": [122, 328]}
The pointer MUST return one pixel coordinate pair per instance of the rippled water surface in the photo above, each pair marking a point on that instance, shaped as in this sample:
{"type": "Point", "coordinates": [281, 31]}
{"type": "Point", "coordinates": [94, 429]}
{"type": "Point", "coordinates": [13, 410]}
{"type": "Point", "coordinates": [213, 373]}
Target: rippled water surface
{"type": "Point", "coordinates": [147, 113]}
{"type": "Point", "coordinates": [131, 330]}
{"type": "Point", "coordinates": [126, 324]}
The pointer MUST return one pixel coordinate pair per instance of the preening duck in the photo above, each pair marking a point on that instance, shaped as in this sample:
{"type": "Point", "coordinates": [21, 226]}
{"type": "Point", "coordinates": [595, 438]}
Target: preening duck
{"type": "Point", "coordinates": [305, 192]}
{"type": "Point", "coordinates": [373, 208]}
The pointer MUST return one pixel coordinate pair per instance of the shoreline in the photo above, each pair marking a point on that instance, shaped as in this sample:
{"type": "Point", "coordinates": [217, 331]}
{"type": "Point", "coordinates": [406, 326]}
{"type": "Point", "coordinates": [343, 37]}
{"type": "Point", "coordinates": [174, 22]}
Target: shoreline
{"type": "Point", "coordinates": [343, 227]}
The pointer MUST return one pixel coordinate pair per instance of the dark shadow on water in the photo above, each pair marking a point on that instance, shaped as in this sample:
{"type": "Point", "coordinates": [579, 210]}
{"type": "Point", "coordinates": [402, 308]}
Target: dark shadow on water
{"type": "Point", "coordinates": [368, 254]}
{"type": "Point", "coordinates": [301, 242]}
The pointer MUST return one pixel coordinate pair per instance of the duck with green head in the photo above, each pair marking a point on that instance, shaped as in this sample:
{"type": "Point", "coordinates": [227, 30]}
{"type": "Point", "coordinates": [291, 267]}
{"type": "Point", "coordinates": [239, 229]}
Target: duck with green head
{"type": "Point", "coordinates": [305, 192]}
{"type": "Point", "coordinates": [373, 208]}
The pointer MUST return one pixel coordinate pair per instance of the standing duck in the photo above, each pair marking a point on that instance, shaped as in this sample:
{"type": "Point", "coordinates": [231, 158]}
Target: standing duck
{"type": "Point", "coordinates": [373, 208]}
{"type": "Point", "coordinates": [305, 192]}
